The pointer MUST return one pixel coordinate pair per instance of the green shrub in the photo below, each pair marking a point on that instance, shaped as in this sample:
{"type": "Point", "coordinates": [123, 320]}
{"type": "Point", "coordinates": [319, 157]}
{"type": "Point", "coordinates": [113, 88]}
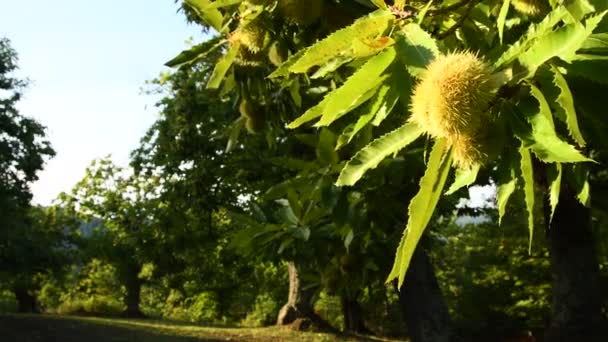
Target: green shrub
{"type": "Point", "coordinates": [330, 308]}
{"type": "Point", "coordinates": [204, 308]}
{"type": "Point", "coordinates": [8, 303]}
{"type": "Point", "coordinates": [263, 313]}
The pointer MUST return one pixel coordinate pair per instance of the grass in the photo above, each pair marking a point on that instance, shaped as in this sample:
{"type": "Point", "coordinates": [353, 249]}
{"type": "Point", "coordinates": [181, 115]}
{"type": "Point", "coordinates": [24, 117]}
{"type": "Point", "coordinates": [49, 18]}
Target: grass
{"type": "Point", "coordinates": [51, 328]}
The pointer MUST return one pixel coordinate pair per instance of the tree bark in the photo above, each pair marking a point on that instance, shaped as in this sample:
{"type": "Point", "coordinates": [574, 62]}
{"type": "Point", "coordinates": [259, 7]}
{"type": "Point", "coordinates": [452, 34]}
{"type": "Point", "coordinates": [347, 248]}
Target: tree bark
{"type": "Point", "coordinates": [422, 303]}
{"type": "Point", "coordinates": [132, 299]}
{"type": "Point", "coordinates": [576, 312]}
{"type": "Point", "coordinates": [353, 316]}
{"type": "Point", "coordinates": [26, 302]}
{"type": "Point", "coordinates": [299, 303]}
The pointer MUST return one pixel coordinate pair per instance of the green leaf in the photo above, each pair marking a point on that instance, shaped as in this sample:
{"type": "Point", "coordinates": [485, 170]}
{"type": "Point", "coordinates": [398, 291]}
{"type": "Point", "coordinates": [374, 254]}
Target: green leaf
{"type": "Point", "coordinates": [326, 152]}
{"type": "Point", "coordinates": [316, 111]}
{"type": "Point", "coordinates": [379, 107]}
{"type": "Point", "coordinates": [235, 131]}
{"type": "Point", "coordinates": [464, 177]}
{"type": "Point", "coordinates": [371, 155]}
{"type": "Point", "coordinates": [579, 8]}
{"type": "Point", "coordinates": [579, 177]}
{"type": "Point", "coordinates": [385, 103]}
{"type": "Point", "coordinates": [596, 43]}
{"type": "Point", "coordinates": [344, 98]}
{"type": "Point", "coordinates": [422, 14]}
{"type": "Point", "coordinates": [415, 48]}
{"type": "Point", "coordinates": [507, 181]}
{"type": "Point", "coordinates": [283, 69]}
{"type": "Point", "coordinates": [542, 139]}
{"type": "Point", "coordinates": [342, 42]}
{"type": "Point", "coordinates": [211, 17]}
{"type": "Point", "coordinates": [195, 53]}
{"type": "Point", "coordinates": [566, 106]}
{"type": "Point", "coordinates": [554, 178]}
{"type": "Point", "coordinates": [591, 70]}
{"type": "Point", "coordinates": [502, 17]}
{"type": "Point", "coordinates": [421, 207]}
{"type": "Point", "coordinates": [223, 3]}
{"type": "Point", "coordinates": [528, 180]}
{"type": "Point", "coordinates": [380, 4]}
{"type": "Point", "coordinates": [222, 67]}
{"type": "Point", "coordinates": [561, 43]}
{"type": "Point", "coordinates": [534, 31]}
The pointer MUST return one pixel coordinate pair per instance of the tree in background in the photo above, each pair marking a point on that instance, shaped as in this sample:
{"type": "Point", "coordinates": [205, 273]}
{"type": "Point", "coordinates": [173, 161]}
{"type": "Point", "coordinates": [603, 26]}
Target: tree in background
{"type": "Point", "coordinates": [126, 207]}
{"type": "Point", "coordinates": [28, 239]}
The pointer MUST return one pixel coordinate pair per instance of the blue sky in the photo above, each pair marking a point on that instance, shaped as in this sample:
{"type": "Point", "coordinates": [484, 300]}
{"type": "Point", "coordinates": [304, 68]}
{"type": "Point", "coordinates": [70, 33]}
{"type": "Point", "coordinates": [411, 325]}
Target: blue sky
{"type": "Point", "coordinates": [88, 61]}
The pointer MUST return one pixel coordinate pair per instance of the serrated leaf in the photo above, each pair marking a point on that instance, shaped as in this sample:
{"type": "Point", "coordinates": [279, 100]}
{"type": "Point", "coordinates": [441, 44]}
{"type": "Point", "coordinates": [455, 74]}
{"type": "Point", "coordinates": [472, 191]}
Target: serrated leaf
{"type": "Point", "coordinates": [566, 106]}
{"type": "Point", "coordinates": [341, 42]}
{"type": "Point", "coordinates": [385, 104]}
{"type": "Point", "coordinates": [542, 139]}
{"type": "Point", "coordinates": [331, 66]}
{"type": "Point", "coordinates": [527, 176]}
{"type": "Point", "coordinates": [561, 43]}
{"type": "Point", "coordinates": [421, 207]}
{"type": "Point", "coordinates": [195, 53]}
{"type": "Point", "coordinates": [212, 17]}
{"type": "Point", "coordinates": [316, 111]}
{"type": "Point", "coordinates": [380, 105]}
{"type": "Point", "coordinates": [464, 177]}
{"type": "Point", "coordinates": [554, 178]}
{"type": "Point", "coordinates": [221, 67]}
{"type": "Point", "coordinates": [368, 77]}
{"type": "Point", "coordinates": [534, 31]}
{"type": "Point", "coordinates": [502, 17]}
{"type": "Point", "coordinates": [371, 155]}
{"type": "Point", "coordinates": [416, 48]}
{"type": "Point", "coordinates": [507, 181]}
{"type": "Point", "coordinates": [283, 69]}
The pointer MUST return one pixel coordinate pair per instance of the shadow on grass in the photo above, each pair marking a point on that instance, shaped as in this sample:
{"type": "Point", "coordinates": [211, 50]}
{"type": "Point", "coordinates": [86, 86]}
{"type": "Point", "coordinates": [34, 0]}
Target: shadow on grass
{"type": "Point", "coordinates": [31, 328]}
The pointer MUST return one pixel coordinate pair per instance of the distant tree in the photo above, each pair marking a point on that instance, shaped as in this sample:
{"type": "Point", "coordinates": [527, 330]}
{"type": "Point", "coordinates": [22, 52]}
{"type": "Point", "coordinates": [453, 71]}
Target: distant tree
{"type": "Point", "coordinates": [25, 247]}
{"type": "Point", "coordinates": [126, 207]}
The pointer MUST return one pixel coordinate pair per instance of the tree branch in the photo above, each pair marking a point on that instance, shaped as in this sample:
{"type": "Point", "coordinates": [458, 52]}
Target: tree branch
{"type": "Point", "coordinates": [471, 4]}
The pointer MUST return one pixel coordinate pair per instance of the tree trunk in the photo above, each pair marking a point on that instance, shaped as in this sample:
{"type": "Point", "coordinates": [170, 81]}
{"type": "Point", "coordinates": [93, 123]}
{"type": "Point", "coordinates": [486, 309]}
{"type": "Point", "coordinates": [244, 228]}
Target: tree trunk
{"type": "Point", "coordinates": [26, 302]}
{"type": "Point", "coordinates": [353, 316]}
{"type": "Point", "coordinates": [133, 287]}
{"type": "Point", "coordinates": [422, 304]}
{"type": "Point", "coordinates": [299, 303]}
{"type": "Point", "coordinates": [576, 312]}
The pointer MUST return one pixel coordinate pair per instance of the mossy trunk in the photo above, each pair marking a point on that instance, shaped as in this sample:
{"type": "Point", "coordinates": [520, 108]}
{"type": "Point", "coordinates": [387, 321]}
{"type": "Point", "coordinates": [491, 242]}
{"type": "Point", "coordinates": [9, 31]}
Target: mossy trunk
{"type": "Point", "coordinates": [424, 309]}
{"type": "Point", "coordinates": [576, 311]}
{"type": "Point", "coordinates": [299, 302]}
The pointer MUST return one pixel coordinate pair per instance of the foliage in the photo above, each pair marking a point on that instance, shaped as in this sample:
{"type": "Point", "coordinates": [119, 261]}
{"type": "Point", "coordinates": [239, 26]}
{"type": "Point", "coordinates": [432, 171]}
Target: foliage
{"type": "Point", "coordinates": [393, 44]}
{"type": "Point", "coordinates": [30, 238]}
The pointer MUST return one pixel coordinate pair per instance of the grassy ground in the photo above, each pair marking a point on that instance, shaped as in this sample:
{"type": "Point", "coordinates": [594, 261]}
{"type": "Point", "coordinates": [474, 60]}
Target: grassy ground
{"type": "Point", "coordinates": [47, 328]}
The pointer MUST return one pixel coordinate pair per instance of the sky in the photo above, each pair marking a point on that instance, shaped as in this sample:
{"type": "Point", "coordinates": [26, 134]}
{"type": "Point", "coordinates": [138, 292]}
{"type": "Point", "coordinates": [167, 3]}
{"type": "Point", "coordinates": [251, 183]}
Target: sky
{"type": "Point", "coordinates": [87, 62]}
